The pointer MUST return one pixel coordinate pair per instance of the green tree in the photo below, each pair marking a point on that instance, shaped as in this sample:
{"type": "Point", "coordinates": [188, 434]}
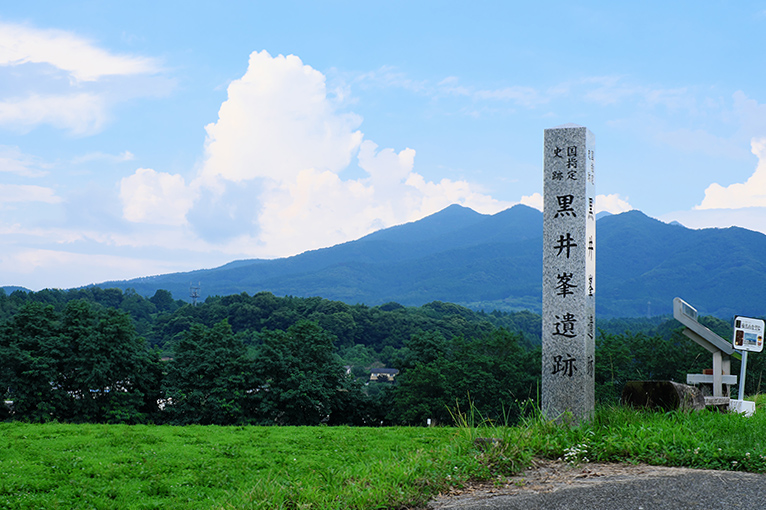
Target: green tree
{"type": "Point", "coordinates": [83, 365]}
{"type": "Point", "coordinates": [29, 348]}
{"type": "Point", "coordinates": [209, 378]}
{"type": "Point", "coordinates": [139, 308]}
{"type": "Point", "coordinates": [163, 301]}
{"type": "Point", "coordinates": [629, 357]}
{"type": "Point", "coordinates": [101, 365]}
{"type": "Point", "coordinates": [492, 373]}
{"type": "Point", "coordinates": [110, 298]}
{"type": "Point", "coordinates": [424, 391]}
{"type": "Point", "coordinates": [303, 381]}
{"type": "Point", "coordinates": [358, 355]}
{"type": "Point", "coordinates": [424, 388]}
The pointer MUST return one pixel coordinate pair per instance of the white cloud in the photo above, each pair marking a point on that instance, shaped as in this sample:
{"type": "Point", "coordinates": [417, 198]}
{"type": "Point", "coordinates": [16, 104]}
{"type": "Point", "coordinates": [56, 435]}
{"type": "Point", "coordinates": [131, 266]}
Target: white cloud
{"type": "Point", "coordinates": [12, 160]}
{"type": "Point", "coordinates": [82, 113]}
{"type": "Point", "coordinates": [534, 200]}
{"type": "Point", "coordinates": [606, 91]}
{"type": "Point", "coordinates": [751, 218]}
{"type": "Point", "coordinates": [613, 203]}
{"type": "Point", "coordinates": [271, 182]}
{"type": "Point", "coordinates": [316, 209]}
{"type": "Point", "coordinates": [155, 198]}
{"type": "Point", "coordinates": [10, 193]}
{"type": "Point", "coordinates": [612, 90]}
{"type": "Point", "coordinates": [609, 90]}
{"type": "Point", "coordinates": [521, 95]}
{"type": "Point", "coordinates": [436, 196]}
{"type": "Point", "coordinates": [65, 81]}
{"type": "Point", "coordinates": [81, 59]}
{"type": "Point", "coordinates": [749, 114]}
{"type": "Point", "coordinates": [702, 142]}
{"type": "Point", "coordinates": [277, 122]}
{"type": "Point", "coordinates": [751, 193]}
{"type": "Point", "coordinates": [525, 96]}
{"type": "Point", "coordinates": [101, 156]}
{"type": "Point", "coordinates": [39, 268]}
{"type": "Point", "coordinates": [320, 209]}
{"type": "Point", "coordinates": [390, 77]}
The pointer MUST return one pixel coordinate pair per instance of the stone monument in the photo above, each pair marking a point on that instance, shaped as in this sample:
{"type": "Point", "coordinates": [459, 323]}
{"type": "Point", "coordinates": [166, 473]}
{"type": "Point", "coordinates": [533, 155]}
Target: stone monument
{"type": "Point", "coordinates": [569, 273]}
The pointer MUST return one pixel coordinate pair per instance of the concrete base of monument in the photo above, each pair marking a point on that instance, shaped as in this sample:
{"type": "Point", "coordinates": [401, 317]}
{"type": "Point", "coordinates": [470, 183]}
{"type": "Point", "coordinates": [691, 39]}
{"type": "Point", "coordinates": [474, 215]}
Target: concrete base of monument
{"type": "Point", "coordinates": [722, 403]}
{"type": "Point", "coordinates": [742, 406]}
{"type": "Point", "coordinates": [666, 395]}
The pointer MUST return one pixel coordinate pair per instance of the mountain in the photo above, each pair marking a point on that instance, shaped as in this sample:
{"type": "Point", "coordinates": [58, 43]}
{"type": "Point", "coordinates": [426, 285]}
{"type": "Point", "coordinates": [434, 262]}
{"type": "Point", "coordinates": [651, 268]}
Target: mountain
{"type": "Point", "coordinates": [495, 262]}
{"type": "Point", "coordinates": [13, 288]}
{"type": "Point", "coordinates": [722, 272]}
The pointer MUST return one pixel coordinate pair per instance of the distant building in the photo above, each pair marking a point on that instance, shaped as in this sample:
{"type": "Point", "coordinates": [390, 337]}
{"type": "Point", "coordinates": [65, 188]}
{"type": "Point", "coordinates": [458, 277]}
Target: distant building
{"type": "Point", "coordinates": [383, 374]}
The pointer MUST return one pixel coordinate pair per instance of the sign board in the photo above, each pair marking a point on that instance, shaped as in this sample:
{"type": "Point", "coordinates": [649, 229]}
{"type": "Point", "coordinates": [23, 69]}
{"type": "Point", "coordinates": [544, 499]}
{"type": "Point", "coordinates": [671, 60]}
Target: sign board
{"type": "Point", "coordinates": [748, 334]}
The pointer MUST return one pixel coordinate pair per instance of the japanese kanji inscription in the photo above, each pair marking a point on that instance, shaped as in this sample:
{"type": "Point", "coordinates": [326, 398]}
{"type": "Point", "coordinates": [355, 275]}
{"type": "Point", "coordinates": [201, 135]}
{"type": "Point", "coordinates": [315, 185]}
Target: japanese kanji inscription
{"type": "Point", "coordinates": [569, 272]}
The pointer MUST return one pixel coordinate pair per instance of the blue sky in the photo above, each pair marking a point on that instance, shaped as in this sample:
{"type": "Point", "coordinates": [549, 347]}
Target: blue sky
{"type": "Point", "coordinates": [140, 138]}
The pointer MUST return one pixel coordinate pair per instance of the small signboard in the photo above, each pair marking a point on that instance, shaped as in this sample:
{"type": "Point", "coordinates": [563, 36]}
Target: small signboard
{"type": "Point", "coordinates": [748, 334]}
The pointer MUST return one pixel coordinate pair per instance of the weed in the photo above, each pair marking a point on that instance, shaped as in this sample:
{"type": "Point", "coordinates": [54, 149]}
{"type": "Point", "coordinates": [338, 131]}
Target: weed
{"type": "Point", "coordinates": [496, 448]}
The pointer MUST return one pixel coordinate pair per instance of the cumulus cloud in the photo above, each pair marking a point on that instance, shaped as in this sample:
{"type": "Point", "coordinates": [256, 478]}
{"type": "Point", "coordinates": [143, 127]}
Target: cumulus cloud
{"type": "Point", "coordinates": [226, 212]}
{"type": "Point", "coordinates": [271, 180]}
{"type": "Point", "coordinates": [534, 200]}
{"type": "Point", "coordinates": [155, 197]}
{"type": "Point", "coordinates": [277, 122]}
{"type": "Point", "coordinates": [751, 193]}
{"type": "Point", "coordinates": [613, 204]}
{"type": "Point", "coordinates": [80, 58]}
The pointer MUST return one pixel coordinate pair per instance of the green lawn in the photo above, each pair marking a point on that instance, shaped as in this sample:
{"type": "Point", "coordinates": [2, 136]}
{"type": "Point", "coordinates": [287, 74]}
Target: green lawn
{"type": "Point", "coordinates": [120, 466]}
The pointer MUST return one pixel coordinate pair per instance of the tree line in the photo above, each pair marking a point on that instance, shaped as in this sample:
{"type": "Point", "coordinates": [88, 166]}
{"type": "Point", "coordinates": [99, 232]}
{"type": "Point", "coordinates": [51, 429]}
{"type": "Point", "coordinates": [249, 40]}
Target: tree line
{"type": "Point", "coordinates": [161, 319]}
{"type": "Point", "coordinates": [86, 363]}
{"type": "Point", "coordinates": [94, 355]}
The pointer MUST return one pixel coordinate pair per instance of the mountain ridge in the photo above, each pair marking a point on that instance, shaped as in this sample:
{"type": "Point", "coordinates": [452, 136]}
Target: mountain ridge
{"type": "Point", "coordinates": [495, 262]}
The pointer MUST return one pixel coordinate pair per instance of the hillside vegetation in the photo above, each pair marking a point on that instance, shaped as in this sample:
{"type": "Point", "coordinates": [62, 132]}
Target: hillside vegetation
{"type": "Point", "coordinates": [95, 355]}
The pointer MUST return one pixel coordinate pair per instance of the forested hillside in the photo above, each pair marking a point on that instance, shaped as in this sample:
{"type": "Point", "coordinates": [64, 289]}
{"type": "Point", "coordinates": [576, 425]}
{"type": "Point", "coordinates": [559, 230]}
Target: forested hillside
{"type": "Point", "coordinates": [161, 319]}
{"type": "Point", "coordinates": [111, 356]}
{"type": "Point", "coordinates": [494, 262]}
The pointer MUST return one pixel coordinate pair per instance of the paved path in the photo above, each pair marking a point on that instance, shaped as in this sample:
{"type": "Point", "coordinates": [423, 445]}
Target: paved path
{"type": "Point", "coordinates": [610, 488]}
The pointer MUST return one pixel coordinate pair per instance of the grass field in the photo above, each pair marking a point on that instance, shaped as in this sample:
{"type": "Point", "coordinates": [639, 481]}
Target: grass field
{"type": "Point", "coordinates": [119, 466]}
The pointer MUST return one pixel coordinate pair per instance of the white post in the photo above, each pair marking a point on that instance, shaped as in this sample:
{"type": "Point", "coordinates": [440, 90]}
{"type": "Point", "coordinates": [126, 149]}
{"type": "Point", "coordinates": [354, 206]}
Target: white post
{"type": "Point", "coordinates": [742, 371]}
{"type": "Point", "coordinates": [717, 373]}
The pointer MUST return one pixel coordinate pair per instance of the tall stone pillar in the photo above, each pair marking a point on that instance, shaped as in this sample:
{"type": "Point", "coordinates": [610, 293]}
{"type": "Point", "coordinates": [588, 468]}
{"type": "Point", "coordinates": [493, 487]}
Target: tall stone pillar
{"type": "Point", "coordinates": [569, 273]}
